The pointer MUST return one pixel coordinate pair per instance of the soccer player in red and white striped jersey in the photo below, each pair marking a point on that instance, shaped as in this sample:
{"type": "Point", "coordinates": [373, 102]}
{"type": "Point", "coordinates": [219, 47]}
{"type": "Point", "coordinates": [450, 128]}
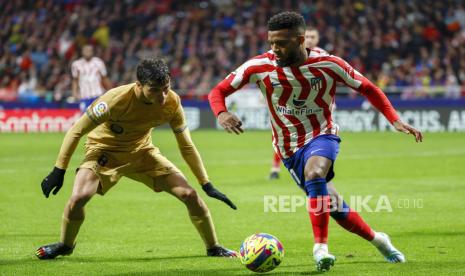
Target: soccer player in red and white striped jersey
{"type": "Point", "coordinates": [312, 37]}
{"type": "Point", "coordinates": [300, 92]}
{"type": "Point", "coordinates": [89, 78]}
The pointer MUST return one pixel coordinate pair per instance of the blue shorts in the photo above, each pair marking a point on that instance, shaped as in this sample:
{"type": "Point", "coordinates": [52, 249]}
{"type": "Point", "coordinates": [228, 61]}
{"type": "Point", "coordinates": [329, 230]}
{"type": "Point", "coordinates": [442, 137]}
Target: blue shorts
{"type": "Point", "coordinates": [85, 103]}
{"type": "Point", "coordinates": [326, 145]}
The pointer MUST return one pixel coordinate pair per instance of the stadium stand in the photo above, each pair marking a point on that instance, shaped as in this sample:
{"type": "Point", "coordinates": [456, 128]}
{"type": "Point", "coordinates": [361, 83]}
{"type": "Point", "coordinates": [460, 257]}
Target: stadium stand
{"type": "Point", "coordinates": [413, 48]}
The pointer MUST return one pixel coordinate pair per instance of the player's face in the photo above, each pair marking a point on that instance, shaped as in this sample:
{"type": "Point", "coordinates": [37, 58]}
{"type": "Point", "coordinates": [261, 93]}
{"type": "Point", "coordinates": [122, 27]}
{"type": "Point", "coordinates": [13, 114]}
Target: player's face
{"type": "Point", "coordinates": [87, 52]}
{"type": "Point", "coordinates": [311, 39]}
{"type": "Point", "coordinates": [156, 93]}
{"type": "Point", "coordinates": [285, 44]}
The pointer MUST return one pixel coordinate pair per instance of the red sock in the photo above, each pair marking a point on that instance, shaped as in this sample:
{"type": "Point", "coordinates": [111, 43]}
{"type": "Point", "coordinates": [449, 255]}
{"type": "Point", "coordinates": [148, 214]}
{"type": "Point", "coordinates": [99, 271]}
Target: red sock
{"type": "Point", "coordinates": [355, 224]}
{"type": "Point", "coordinates": [319, 216]}
{"type": "Point", "coordinates": [276, 165]}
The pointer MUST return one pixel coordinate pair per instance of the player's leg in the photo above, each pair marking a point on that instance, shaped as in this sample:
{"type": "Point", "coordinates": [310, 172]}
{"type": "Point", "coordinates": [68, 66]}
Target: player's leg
{"type": "Point", "coordinates": [275, 167]}
{"type": "Point", "coordinates": [346, 217]}
{"type": "Point", "coordinates": [176, 185]}
{"type": "Point", "coordinates": [315, 172]}
{"type": "Point", "coordinates": [350, 220]}
{"type": "Point", "coordinates": [85, 186]}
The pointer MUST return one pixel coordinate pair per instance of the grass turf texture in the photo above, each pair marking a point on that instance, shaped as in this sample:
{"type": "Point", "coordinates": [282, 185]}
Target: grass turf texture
{"type": "Point", "coordinates": [132, 230]}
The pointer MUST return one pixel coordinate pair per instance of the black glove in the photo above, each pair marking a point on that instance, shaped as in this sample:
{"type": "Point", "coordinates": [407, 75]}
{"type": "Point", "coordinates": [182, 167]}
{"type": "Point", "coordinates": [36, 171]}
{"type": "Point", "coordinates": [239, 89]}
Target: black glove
{"type": "Point", "coordinates": [213, 192]}
{"type": "Point", "coordinates": [53, 180]}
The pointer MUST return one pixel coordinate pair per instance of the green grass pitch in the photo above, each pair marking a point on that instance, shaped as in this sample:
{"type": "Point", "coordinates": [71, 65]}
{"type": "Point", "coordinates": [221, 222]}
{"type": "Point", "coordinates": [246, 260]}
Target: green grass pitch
{"type": "Point", "coordinates": [133, 231]}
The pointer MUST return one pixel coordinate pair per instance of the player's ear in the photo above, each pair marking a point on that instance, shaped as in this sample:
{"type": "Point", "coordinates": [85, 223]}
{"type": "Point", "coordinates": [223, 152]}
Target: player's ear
{"type": "Point", "coordinates": [301, 39]}
{"type": "Point", "coordinates": [138, 84]}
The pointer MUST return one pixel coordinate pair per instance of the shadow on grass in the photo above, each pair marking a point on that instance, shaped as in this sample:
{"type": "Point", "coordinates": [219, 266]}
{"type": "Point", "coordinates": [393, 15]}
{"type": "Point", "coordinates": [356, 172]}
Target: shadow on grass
{"type": "Point", "coordinates": [282, 270]}
{"type": "Point", "coordinates": [33, 259]}
{"type": "Point", "coordinates": [132, 259]}
{"type": "Point", "coordinates": [234, 271]}
{"type": "Point", "coordinates": [358, 263]}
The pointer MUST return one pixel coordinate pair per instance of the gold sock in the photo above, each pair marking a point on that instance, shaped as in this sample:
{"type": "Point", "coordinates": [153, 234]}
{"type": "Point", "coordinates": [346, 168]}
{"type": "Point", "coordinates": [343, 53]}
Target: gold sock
{"type": "Point", "coordinates": [206, 229]}
{"type": "Point", "coordinates": [69, 231]}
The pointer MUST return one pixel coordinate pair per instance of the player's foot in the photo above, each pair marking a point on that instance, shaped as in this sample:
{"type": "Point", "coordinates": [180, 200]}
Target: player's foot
{"type": "Point", "coordinates": [384, 245]}
{"type": "Point", "coordinates": [273, 176]}
{"type": "Point", "coordinates": [324, 260]}
{"type": "Point", "coordinates": [219, 251]}
{"type": "Point", "coordinates": [51, 251]}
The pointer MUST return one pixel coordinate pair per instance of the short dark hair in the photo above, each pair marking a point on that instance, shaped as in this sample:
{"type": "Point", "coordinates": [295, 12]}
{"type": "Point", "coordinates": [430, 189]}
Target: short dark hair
{"type": "Point", "coordinates": [152, 72]}
{"type": "Point", "coordinates": [287, 20]}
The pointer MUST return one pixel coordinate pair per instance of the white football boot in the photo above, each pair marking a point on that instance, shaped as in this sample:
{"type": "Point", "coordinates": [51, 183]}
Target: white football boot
{"type": "Point", "coordinates": [382, 242]}
{"type": "Point", "coordinates": [324, 260]}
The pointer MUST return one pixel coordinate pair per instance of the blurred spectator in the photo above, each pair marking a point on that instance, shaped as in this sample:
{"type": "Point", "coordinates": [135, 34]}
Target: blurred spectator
{"type": "Point", "coordinates": [89, 82]}
{"type": "Point", "coordinates": [452, 86]}
{"type": "Point", "coordinates": [8, 89]}
{"type": "Point", "coordinates": [398, 44]}
{"type": "Point", "coordinates": [27, 87]}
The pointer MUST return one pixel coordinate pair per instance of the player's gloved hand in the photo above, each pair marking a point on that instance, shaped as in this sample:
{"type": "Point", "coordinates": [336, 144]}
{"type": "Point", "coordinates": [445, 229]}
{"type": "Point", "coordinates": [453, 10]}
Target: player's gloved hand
{"type": "Point", "coordinates": [53, 180]}
{"type": "Point", "coordinates": [213, 192]}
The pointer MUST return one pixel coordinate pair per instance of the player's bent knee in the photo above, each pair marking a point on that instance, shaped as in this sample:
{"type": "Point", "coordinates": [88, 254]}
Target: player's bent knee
{"type": "Point", "coordinates": [189, 196]}
{"type": "Point", "coordinates": [315, 173]}
{"type": "Point", "coordinates": [194, 202]}
{"type": "Point", "coordinates": [79, 200]}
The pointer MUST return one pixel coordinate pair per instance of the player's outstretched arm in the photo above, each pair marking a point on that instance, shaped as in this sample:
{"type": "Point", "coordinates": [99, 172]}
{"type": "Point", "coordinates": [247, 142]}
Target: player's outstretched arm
{"type": "Point", "coordinates": [230, 122]}
{"type": "Point", "coordinates": [408, 129]}
{"type": "Point", "coordinates": [343, 72]}
{"type": "Point", "coordinates": [379, 100]}
{"type": "Point", "coordinates": [54, 181]}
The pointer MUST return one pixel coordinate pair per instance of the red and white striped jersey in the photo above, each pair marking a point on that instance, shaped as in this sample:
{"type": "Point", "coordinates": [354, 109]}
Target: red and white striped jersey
{"type": "Point", "coordinates": [89, 75]}
{"type": "Point", "coordinates": [300, 98]}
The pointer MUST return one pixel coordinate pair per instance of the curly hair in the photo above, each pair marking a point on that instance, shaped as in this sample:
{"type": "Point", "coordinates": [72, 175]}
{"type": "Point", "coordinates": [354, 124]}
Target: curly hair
{"type": "Point", "coordinates": [152, 72]}
{"type": "Point", "coordinates": [287, 20]}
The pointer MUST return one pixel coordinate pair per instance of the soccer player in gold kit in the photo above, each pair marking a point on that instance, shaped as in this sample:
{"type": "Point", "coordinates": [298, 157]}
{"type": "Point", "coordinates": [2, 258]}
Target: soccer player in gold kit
{"type": "Point", "coordinates": [119, 143]}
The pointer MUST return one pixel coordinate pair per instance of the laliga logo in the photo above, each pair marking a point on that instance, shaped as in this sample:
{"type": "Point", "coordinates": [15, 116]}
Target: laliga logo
{"type": "Point", "coordinates": [100, 109]}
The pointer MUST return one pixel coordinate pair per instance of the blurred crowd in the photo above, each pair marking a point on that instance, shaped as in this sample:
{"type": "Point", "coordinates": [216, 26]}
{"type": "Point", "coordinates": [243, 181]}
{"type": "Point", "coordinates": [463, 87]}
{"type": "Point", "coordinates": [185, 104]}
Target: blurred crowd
{"type": "Point", "coordinates": [414, 46]}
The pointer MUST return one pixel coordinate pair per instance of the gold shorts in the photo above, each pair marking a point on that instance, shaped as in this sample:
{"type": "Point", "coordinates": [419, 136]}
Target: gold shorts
{"type": "Point", "coordinates": [142, 166]}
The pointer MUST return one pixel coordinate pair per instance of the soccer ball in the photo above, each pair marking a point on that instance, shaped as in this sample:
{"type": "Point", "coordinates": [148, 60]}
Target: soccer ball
{"type": "Point", "coordinates": [261, 252]}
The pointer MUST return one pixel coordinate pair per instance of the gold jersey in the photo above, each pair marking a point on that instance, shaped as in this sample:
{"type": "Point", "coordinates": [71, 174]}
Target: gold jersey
{"type": "Point", "coordinates": [125, 122]}
{"type": "Point", "coordinates": [120, 124]}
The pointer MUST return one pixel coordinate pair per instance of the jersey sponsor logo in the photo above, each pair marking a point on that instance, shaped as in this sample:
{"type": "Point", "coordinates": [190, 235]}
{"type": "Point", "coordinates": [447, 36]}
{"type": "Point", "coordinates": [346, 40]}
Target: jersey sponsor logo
{"type": "Point", "coordinates": [117, 128]}
{"type": "Point", "coordinates": [297, 111]}
{"type": "Point", "coordinates": [100, 109]}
